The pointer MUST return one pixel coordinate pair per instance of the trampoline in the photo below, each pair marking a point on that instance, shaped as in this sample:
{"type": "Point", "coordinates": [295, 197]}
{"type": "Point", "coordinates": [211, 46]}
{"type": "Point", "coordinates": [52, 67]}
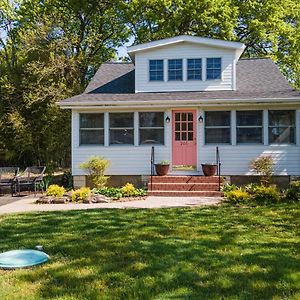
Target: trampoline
{"type": "Point", "coordinates": [22, 259]}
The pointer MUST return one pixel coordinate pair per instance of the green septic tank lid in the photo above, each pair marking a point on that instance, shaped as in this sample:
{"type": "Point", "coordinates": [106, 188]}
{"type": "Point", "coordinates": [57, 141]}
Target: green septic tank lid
{"type": "Point", "coordinates": [22, 258]}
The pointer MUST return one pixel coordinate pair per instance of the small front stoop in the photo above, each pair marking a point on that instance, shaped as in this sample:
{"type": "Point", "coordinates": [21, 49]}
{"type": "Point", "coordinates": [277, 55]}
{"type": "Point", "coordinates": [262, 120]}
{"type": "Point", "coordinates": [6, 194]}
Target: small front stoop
{"type": "Point", "coordinates": [184, 186]}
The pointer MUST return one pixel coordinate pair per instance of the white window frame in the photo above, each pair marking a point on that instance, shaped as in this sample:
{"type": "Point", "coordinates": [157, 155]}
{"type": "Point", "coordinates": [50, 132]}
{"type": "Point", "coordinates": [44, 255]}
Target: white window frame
{"type": "Point", "coordinates": [122, 128]}
{"type": "Point", "coordinates": [175, 70]}
{"type": "Point", "coordinates": [91, 129]}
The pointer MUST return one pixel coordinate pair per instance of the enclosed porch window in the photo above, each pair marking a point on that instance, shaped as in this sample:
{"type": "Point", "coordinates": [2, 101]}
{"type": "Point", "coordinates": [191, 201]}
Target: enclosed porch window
{"type": "Point", "coordinates": [217, 127]}
{"type": "Point", "coordinates": [282, 127]}
{"type": "Point", "coordinates": [151, 128]}
{"type": "Point", "coordinates": [249, 129]}
{"type": "Point", "coordinates": [121, 129]}
{"type": "Point", "coordinates": [91, 130]}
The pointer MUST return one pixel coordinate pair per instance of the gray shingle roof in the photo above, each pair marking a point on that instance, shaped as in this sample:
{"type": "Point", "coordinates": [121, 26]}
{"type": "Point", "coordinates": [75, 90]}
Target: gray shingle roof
{"type": "Point", "coordinates": [256, 79]}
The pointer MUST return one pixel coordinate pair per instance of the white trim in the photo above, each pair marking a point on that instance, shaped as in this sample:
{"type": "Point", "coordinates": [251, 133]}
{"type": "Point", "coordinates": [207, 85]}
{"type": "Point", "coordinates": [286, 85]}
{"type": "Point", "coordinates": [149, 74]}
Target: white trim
{"type": "Point", "coordinates": [186, 38]}
{"type": "Point", "coordinates": [233, 128]}
{"type": "Point", "coordinates": [175, 103]}
{"type": "Point", "coordinates": [136, 128]}
{"type": "Point", "coordinates": [266, 127]}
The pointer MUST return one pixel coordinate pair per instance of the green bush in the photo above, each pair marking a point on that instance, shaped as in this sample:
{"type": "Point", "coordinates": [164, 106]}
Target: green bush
{"type": "Point", "coordinates": [266, 194]}
{"type": "Point", "coordinates": [263, 166]}
{"type": "Point", "coordinates": [237, 195]}
{"type": "Point", "coordinates": [55, 190]}
{"type": "Point", "coordinates": [229, 187]}
{"type": "Point", "coordinates": [67, 180]}
{"type": "Point", "coordinates": [96, 167]}
{"type": "Point", "coordinates": [81, 194]}
{"type": "Point", "coordinates": [251, 188]}
{"type": "Point", "coordinates": [293, 192]}
{"type": "Point", "coordinates": [127, 190]}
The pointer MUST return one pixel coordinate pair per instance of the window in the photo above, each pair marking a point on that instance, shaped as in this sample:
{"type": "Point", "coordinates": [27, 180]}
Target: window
{"type": "Point", "coordinates": [217, 127]}
{"type": "Point", "coordinates": [91, 129]}
{"type": "Point", "coordinates": [213, 68]}
{"type": "Point", "coordinates": [194, 69]}
{"type": "Point", "coordinates": [156, 70]}
{"type": "Point", "coordinates": [121, 129]}
{"type": "Point", "coordinates": [281, 127]}
{"type": "Point", "coordinates": [151, 128]}
{"type": "Point", "coordinates": [249, 127]}
{"type": "Point", "coordinates": [175, 69]}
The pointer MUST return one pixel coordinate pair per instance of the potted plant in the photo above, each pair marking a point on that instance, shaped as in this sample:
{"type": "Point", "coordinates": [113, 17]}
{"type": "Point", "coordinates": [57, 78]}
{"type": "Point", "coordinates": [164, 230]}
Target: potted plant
{"type": "Point", "coordinates": [209, 169]}
{"type": "Point", "coordinates": [162, 168]}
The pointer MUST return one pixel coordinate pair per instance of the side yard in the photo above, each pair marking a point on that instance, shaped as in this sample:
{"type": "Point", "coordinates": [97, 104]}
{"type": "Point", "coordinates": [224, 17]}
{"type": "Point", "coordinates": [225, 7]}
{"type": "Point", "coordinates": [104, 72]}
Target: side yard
{"type": "Point", "coordinates": [203, 253]}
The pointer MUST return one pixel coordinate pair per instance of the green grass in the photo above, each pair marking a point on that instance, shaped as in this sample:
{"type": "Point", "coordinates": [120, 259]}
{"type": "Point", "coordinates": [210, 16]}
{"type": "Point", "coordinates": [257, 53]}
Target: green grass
{"type": "Point", "coordinates": [203, 253]}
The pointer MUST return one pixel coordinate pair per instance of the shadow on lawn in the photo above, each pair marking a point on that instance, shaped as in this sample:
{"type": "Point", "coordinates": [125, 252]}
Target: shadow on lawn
{"type": "Point", "coordinates": [206, 253]}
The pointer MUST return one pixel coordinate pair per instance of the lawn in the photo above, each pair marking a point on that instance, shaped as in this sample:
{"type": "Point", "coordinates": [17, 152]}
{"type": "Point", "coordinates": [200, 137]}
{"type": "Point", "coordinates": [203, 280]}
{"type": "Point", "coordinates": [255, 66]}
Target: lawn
{"type": "Point", "coordinates": [200, 253]}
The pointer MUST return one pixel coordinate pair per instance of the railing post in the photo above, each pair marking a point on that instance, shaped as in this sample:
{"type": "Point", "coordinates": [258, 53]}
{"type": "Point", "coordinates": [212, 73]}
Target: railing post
{"type": "Point", "coordinates": [152, 167]}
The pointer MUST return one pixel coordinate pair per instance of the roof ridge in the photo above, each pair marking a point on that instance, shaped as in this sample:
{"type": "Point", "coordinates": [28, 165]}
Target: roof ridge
{"type": "Point", "coordinates": [117, 63]}
{"type": "Point", "coordinates": [254, 58]}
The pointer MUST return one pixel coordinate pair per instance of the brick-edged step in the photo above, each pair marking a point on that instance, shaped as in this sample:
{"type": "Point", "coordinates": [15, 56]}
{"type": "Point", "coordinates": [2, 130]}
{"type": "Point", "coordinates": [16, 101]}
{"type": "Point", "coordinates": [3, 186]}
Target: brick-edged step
{"type": "Point", "coordinates": [185, 179]}
{"type": "Point", "coordinates": [166, 186]}
{"type": "Point", "coordinates": [186, 193]}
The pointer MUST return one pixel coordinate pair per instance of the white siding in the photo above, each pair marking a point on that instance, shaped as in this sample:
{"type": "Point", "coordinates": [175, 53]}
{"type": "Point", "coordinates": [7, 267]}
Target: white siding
{"type": "Point", "coordinates": [184, 51]}
{"type": "Point", "coordinates": [135, 160]}
{"type": "Point", "coordinates": [124, 160]}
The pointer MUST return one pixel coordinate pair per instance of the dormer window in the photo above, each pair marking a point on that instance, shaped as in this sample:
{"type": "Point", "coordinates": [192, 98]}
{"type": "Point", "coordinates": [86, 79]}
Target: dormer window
{"type": "Point", "coordinates": [194, 69]}
{"type": "Point", "coordinates": [213, 68]}
{"type": "Point", "coordinates": [175, 69]}
{"type": "Point", "coordinates": [156, 70]}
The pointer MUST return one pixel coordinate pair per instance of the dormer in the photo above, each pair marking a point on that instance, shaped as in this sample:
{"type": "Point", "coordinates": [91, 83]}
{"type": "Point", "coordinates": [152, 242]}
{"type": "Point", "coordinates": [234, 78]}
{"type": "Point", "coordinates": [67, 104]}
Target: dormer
{"type": "Point", "coordinates": [185, 63]}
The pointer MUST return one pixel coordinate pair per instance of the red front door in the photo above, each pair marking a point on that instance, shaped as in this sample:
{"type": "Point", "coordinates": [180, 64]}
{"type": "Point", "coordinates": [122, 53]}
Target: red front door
{"type": "Point", "coordinates": [184, 131]}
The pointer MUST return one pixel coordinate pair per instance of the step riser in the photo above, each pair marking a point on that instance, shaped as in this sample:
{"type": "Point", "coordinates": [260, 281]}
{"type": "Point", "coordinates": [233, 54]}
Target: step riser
{"type": "Point", "coordinates": [185, 194]}
{"type": "Point", "coordinates": [184, 187]}
{"type": "Point", "coordinates": [184, 179]}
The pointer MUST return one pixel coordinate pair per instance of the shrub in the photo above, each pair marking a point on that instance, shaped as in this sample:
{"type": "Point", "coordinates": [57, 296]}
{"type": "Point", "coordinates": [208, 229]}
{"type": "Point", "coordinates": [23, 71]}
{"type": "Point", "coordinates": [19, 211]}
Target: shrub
{"type": "Point", "coordinates": [266, 194]}
{"type": "Point", "coordinates": [55, 190]}
{"type": "Point", "coordinates": [229, 187]}
{"type": "Point", "coordinates": [67, 180]}
{"type": "Point", "coordinates": [128, 190]}
{"type": "Point", "coordinates": [81, 194]}
{"type": "Point", "coordinates": [251, 188]}
{"type": "Point", "coordinates": [237, 195]}
{"type": "Point", "coordinates": [96, 167]}
{"type": "Point", "coordinates": [263, 166]}
{"type": "Point", "coordinates": [111, 192]}
{"type": "Point", "coordinates": [293, 192]}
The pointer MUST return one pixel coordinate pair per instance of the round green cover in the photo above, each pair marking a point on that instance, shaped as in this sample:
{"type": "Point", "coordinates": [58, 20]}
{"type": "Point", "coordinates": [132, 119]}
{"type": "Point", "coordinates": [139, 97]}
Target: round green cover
{"type": "Point", "coordinates": [22, 258]}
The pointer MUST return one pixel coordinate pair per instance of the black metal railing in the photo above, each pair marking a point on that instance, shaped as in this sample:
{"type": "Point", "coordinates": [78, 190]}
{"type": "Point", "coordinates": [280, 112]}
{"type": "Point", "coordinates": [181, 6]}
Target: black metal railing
{"type": "Point", "coordinates": [218, 162]}
{"type": "Point", "coordinates": [152, 167]}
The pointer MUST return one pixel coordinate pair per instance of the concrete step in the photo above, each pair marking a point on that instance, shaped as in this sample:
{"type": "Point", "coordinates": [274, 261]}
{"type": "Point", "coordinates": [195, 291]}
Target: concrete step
{"type": "Point", "coordinates": [185, 179]}
{"type": "Point", "coordinates": [186, 193]}
{"type": "Point", "coordinates": [184, 186]}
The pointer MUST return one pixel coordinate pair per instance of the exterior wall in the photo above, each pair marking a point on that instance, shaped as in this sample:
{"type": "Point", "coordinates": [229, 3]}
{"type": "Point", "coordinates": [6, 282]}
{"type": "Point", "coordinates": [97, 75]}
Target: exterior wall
{"type": "Point", "coordinates": [135, 159]}
{"type": "Point", "coordinates": [184, 51]}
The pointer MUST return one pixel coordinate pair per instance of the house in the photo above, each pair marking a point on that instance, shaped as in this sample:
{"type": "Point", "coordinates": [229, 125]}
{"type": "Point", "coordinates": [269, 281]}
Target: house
{"type": "Point", "coordinates": [186, 96]}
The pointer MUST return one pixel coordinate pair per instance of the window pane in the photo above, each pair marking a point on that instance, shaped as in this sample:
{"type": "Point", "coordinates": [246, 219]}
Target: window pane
{"type": "Point", "coordinates": [249, 118]}
{"type": "Point", "coordinates": [217, 136]}
{"type": "Point", "coordinates": [281, 117]}
{"type": "Point", "coordinates": [194, 69]}
{"type": "Point", "coordinates": [121, 136]}
{"type": "Point", "coordinates": [175, 69]}
{"type": "Point", "coordinates": [282, 135]}
{"type": "Point", "coordinates": [119, 120]}
{"type": "Point", "coordinates": [249, 135]}
{"type": "Point", "coordinates": [151, 119]}
{"type": "Point", "coordinates": [92, 137]}
{"type": "Point", "coordinates": [217, 118]}
{"type": "Point", "coordinates": [213, 68]}
{"type": "Point", "coordinates": [156, 70]}
{"type": "Point", "coordinates": [151, 136]}
{"type": "Point", "coordinates": [91, 120]}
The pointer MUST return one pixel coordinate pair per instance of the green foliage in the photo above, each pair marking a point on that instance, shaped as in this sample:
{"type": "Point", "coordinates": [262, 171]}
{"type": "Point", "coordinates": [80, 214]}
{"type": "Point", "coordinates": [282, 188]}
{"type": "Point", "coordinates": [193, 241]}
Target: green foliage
{"type": "Point", "coordinates": [228, 187]}
{"type": "Point", "coordinates": [81, 194]}
{"type": "Point", "coordinates": [55, 190]}
{"type": "Point", "coordinates": [293, 192]}
{"type": "Point", "coordinates": [67, 180]}
{"type": "Point", "coordinates": [263, 166]}
{"type": "Point", "coordinates": [251, 188]}
{"type": "Point", "coordinates": [164, 162]}
{"type": "Point", "coordinates": [127, 190]}
{"type": "Point", "coordinates": [236, 196]}
{"type": "Point", "coordinates": [96, 166]}
{"type": "Point", "coordinates": [266, 194]}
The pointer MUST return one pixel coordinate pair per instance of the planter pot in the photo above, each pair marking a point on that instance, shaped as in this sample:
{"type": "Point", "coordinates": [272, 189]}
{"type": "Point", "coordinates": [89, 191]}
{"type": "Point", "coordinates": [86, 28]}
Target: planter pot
{"type": "Point", "coordinates": [161, 170]}
{"type": "Point", "coordinates": [209, 169]}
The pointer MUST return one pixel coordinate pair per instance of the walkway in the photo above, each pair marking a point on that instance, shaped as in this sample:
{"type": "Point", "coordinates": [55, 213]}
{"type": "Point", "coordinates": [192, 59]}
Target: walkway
{"type": "Point", "coordinates": [26, 204]}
